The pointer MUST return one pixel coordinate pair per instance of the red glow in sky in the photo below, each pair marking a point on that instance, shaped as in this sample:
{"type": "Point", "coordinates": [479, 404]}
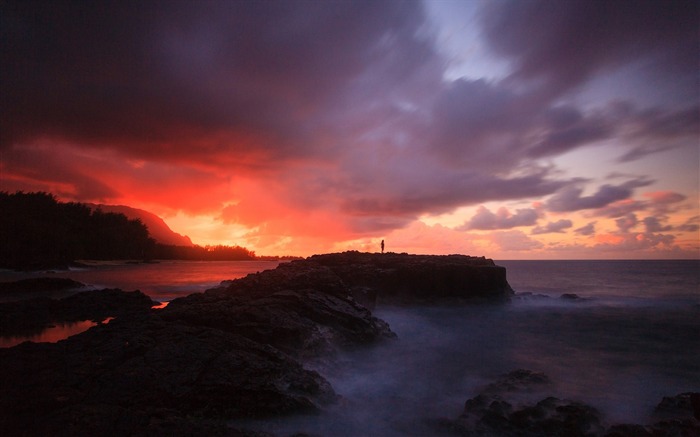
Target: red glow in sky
{"type": "Point", "coordinates": [505, 129]}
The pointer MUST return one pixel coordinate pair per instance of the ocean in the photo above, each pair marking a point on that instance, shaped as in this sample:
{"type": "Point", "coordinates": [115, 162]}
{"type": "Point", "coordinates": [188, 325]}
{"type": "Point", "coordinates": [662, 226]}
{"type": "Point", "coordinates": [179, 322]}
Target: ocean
{"type": "Point", "coordinates": [629, 337]}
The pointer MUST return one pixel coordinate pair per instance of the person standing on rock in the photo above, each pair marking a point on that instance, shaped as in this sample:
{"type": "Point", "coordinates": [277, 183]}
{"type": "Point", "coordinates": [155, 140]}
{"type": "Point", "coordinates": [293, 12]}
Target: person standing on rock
{"type": "Point", "coordinates": [382, 246]}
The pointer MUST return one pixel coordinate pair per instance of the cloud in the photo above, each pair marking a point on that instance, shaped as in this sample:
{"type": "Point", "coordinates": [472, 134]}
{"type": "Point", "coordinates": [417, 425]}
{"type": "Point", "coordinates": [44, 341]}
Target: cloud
{"type": "Point", "coordinates": [621, 208]}
{"type": "Point", "coordinates": [165, 79]}
{"type": "Point", "coordinates": [560, 48]}
{"type": "Point", "coordinates": [637, 243]}
{"type": "Point", "coordinates": [553, 227]}
{"type": "Point", "coordinates": [690, 225]}
{"type": "Point", "coordinates": [653, 224]}
{"type": "Point", "coordinates": [329, 121]}
{"type": "Point", "coordinates": [586, 230]}
{"type": "Point", "coordinates": [661, 202]}
{"type": "Point", "coordinates": [626, 223]}
{"type": "Point", "coordinates": [514, 241]}
{"type": "Point", "coordinates": [484, 219]}
{"type": "Point", "coordinates": [568, 128]}
{"type": "Point", "coordinates": [569, 198]}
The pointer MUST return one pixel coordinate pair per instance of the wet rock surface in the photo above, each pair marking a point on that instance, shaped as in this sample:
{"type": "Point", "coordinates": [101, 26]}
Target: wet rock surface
{"type": "Point", "coordinates": [29, 316]}
{"type": "Point", "coordinates": [404, 278]}
{"type": "Point", "coordinates": [142, 374]}
{"type": "Point", "coordinates": [31, 285]}
{"type": "Point", "coordinates": [500, 409]}
{"type": "Point", "coordinates": [300, 308]}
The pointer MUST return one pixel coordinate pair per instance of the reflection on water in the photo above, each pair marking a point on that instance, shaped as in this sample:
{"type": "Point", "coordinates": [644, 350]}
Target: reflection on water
{"type": "Point", "coordinates": [53, 334]}
{"type": "Point", "coordinates": [161, 281]}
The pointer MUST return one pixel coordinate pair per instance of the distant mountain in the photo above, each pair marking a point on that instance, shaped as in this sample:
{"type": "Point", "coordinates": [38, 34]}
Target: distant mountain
{"type": "Point", "coordinates": [157, 228]}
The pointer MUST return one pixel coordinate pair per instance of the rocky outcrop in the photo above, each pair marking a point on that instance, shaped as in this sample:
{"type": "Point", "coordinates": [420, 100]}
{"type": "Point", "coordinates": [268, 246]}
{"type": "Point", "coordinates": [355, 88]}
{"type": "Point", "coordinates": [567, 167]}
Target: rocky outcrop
{"type": "Point", "coordinates": [499, 410]}
{"type": "Point", "coordinates": [141, 376]}
{"type": "Point", "coordinates": [29, 316]}
{"type": "Point", "coordinates": [301, 323]}
{"type": "Point", "coordinates": [372, 278]}
{"type": "Point", "coordinates": [404, 278]}
{"type": "Point", "coordinates": [40, 285]}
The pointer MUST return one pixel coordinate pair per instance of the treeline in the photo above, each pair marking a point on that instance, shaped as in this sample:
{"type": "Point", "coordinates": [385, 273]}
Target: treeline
{"type": "Point", "coordinates": [37, 231]}
{"type": "Point", "coordinates": [206, 253]}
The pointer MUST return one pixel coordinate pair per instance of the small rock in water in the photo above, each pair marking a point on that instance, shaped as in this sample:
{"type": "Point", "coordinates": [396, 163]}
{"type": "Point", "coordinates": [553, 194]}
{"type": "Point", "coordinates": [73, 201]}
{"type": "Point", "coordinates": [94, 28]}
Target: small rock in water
{"type": "Point", "coordinates": [570, 296]}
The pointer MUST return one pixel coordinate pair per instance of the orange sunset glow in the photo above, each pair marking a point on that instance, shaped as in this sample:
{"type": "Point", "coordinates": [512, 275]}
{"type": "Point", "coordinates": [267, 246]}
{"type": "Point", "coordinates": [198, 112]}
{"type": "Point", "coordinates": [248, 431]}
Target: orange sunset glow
{"type": "Point", "coordinates": [439, 127]}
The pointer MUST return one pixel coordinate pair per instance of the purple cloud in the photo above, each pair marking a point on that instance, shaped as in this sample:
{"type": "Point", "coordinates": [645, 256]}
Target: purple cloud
{"type": "Point", "coordinates": [343, 103]}
{"type": "Point", "coordinates": [561, 47]}
{"type": "Point", "coordinates": [514, 240]}
{"type": "Point", "coordinates": [570, 199]}
{"type": "Point", "coordinates": [484, 219]}
{"type": "Point", "coordinates": [568, 128]}
{"type": "Point", "coordinates": [653, 224]}
{"type": "Point", "coordinates": [587, 230]}
{"type": "Point", "coordinates": [626, 223]}
{"type": "Point", "coordinates": [553, 227]}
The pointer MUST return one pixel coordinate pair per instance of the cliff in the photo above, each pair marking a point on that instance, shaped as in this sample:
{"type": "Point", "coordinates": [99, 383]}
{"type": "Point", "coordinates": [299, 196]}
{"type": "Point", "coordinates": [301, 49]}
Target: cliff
{"type": "Point", "coordinates": [157, 228]}
{"type": "Point", "coordinates": [404, 278]}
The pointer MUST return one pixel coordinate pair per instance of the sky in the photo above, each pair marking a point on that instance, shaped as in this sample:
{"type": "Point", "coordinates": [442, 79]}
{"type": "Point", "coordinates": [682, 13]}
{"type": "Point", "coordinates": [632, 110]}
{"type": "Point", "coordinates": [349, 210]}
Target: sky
{"type": "Point", "coordinates": [508, 129]}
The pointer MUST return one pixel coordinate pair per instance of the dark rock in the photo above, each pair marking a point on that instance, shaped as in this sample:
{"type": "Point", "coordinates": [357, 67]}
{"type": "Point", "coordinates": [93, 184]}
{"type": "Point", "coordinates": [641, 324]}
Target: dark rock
{"type": "Point", "coordinates": [33, 315]}
{"type": "Point", "coordinates": [496, 412]}
{"type": "Point", "coordinates": [679, 416]}
{"type": "Point", "coordinates": [550, 416]}
{"type": "Point", "coordinates": [32, 285]}
{"type": "Point", "coordinates": [117, 379]}
{"type": "Point", "coordinates": [676, 428]}
{"type": "Point", "coordinates": [405, 278]}
{"type": "Point", "coordinates": [570, 296]}
{"type": "Point", "coordinates": [301, 322]}
{"type": "Point", "coordinates": [628, 430]}
{"type": "Point", "coordinates": [520, 380]}
{"type": "Point", "coordinates": [682, 406]}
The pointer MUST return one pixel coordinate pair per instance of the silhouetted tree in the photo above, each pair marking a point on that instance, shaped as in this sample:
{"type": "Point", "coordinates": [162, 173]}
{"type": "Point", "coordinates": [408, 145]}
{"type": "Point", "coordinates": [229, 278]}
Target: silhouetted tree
{"type": "Point", "coordinates": [38, 231]}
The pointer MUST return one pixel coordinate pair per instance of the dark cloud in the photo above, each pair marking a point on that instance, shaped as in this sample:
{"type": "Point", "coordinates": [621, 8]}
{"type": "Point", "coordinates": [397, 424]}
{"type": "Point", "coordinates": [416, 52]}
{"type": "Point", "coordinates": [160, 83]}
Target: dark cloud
{"type": "Point", "coordinates": [37, 169]}
{"type": "Point", "coordinates": [621, 208]}
{"type": "Point", "coordinates": [484, 219]}
{"type": "Point", "coordinates": [553, 227]}
{"type": "Point", "coordinates": [660, 202]}
{"type": "Point", "coordinates": [569, 199]}
{"type": "Point", "coordinates": [302, 115]}
{"type": "Point", "coordinates": [445, 191]}
{"type": "Point", "coordinates": [653, 224]}
{"type": "Point", "coordinates": [656, 130]}
{"type": "Point", "coordinates": [626, 223]}
{"type": "Point", "coordinates": [478, 122]}
{"type": "Point", "coordinates": [568, 128]}
{"type": "Point", "coordinates": [690, 225]}
{"type": "Point", "coordinates": [561, 46]}
{"type": "Point", "coordinates": [587, 230]}
{"type": "Point", "coordinates": [164, 79]}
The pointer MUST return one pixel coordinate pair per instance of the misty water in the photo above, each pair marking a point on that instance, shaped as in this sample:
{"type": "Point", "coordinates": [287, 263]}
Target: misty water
{"type": "Point", "coordinates": [632, 337]}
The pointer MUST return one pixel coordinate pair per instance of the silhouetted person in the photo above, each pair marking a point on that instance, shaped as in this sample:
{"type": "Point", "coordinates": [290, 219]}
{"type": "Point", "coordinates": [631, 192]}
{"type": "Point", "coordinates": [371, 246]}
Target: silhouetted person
{"type": "Point", "coordinates": [382, 246]}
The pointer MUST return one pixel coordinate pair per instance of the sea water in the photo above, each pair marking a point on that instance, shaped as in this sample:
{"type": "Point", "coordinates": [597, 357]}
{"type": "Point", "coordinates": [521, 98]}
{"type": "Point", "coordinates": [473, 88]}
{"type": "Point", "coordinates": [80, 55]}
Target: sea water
{"type": "Point", "coordinates": [631, 337]}
{"type": "Point", "coordinates": [161, 281]}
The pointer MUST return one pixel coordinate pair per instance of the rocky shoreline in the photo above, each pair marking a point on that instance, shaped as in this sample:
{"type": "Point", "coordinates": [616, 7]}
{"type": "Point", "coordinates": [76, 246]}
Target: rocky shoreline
{"type": "Point", "coordinates": [242, 351]}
